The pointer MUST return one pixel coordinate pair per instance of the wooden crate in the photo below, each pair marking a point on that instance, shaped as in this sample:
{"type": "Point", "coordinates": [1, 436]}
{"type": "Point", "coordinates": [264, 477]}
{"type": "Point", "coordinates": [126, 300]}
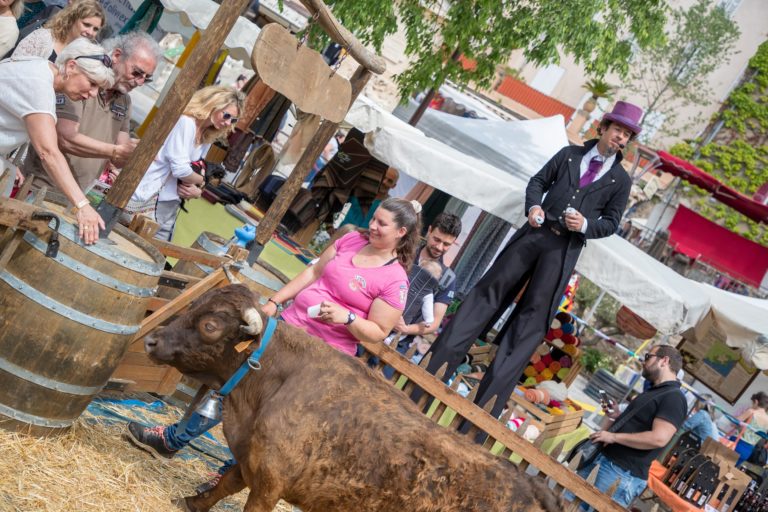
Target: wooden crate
{"type": "Point", "coordinates": [549, 424]}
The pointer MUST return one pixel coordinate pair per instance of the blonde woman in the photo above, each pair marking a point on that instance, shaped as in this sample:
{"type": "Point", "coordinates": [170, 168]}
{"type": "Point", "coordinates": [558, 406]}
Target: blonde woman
{"type": "Point", "coordinates": [81, 18]}
{"type": "Point", "coordinates": [212, 113]}
{"type": "Point", "coordinates": [10, 10]}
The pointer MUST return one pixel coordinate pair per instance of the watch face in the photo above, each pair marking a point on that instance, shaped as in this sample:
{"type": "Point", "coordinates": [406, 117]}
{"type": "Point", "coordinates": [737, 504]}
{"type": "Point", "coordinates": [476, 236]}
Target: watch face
{"type": "Point", "coordinates": [351, 318]}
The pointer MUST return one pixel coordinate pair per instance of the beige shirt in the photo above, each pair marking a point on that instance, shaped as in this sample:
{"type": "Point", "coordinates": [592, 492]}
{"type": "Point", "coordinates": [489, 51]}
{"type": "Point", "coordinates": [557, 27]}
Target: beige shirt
{"type": "Point", "coordinates": [99, 120]}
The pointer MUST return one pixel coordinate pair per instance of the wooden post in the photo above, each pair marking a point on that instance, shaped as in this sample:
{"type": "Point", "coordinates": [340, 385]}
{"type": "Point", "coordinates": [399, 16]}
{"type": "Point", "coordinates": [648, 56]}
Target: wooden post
{"type": "Point", "coordinates": [173, 106]}
{"type": "Point", "coordinates": [291, 186]}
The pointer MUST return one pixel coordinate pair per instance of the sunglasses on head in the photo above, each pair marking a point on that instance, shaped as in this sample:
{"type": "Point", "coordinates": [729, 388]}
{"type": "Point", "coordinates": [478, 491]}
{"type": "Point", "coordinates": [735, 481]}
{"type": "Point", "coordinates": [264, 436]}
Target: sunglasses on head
{"type": "Point", "coordinates": [137, 73]}
{"type": "Point", "coordinates": [229, 117]}
{"type": "Point", "coordinates": [103, 58]}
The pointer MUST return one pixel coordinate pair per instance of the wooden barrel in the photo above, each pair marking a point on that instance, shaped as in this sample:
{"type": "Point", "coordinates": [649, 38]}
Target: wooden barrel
{"type": "Point", "coordinates": [257, 277]}
{"type": "Point", "coordinates": [67, 321]}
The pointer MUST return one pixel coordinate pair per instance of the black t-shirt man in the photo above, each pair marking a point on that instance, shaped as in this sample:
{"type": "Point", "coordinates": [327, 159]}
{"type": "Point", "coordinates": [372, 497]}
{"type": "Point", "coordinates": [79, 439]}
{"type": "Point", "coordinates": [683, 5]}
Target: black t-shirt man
{"type": "Point", "coordinates": [666, 405]}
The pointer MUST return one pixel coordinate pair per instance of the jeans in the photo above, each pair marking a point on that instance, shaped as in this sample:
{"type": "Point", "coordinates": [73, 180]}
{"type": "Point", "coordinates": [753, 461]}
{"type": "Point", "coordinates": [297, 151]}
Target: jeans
{"type": "Point", "coordinates": [630, 487]}
{"type": "Point", "coordinates": [179, 435]}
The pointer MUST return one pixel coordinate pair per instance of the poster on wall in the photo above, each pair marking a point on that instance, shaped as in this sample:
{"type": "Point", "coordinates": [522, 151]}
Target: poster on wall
{"type": "Point", "coordinates": [721, 368]}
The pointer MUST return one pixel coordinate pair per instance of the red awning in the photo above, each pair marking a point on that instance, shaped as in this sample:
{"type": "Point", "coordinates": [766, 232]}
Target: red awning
{"type": "Point", "coordinates": [723, 193]}
{"type": "Point", "coordinates": [700, 238]}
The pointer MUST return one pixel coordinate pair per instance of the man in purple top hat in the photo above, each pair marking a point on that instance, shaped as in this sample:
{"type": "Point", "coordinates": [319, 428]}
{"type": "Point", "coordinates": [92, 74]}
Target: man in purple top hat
{"type": "Point", "coordinates": [586, 193]}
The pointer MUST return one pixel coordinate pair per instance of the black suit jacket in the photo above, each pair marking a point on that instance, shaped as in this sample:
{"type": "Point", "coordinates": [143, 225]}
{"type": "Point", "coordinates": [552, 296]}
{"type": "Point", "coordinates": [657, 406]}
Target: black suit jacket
{"type": "Point", "coordinates": [603, 201]}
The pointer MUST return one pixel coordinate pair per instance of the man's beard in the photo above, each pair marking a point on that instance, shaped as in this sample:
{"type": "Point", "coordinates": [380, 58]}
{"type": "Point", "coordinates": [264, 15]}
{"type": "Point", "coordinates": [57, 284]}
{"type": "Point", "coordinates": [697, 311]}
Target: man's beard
{"type": "Point", "coordinates": [432, 255]}
{"type": "Point", "coordinates": [648, 374]}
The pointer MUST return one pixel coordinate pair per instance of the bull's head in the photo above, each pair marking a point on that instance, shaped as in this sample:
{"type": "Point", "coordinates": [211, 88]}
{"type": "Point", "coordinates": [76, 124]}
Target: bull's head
{"type": "Point", "coordinates": [201, 341]}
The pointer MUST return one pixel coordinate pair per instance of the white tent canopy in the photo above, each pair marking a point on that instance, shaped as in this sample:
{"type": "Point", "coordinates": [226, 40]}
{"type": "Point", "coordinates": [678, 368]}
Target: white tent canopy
{"type": "Point", "coordinates": [184, 16]}
{"type": "Point", "coordinates": [665, 299]}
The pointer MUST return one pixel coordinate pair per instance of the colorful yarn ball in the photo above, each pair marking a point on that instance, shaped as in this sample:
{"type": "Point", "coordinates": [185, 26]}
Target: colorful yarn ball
{"type": "Point", "coordinates": [530, 381]}
{"type": "Point", "coordinates": [555, 324]}
{"type": "Point", "coordinates": [535, 358]}
{"type": "Point", "coordinates": [566, 362]}
{"type": "Point", "coordinates": [547, 374]}
{"type": "Point", "coordinates": [539, 366]}
{"type": "Point", "coordinates": [550, 334]}
{"type": "Point", "coordinates": [570, 350]}
{"type": "Point", "coordinates": [542, 350]}
{"type": "Point", "coordinates": [530, 371]}
{"type": "Point", "coordinates": [564, 318]}
{"type": "Point", "coordinates": [563, 373]}
{"type": "Point", "coordinates": [558, 343]}
{"type": "Point", "coordinates": [546, 359]}
{"type": "Point", "coordinates": [554, 403]}
{"type": "Point", "coordinates": [557, 333]}
{"type": "Point", "coordinates": [554, 366]}
{"type": "Point", "coordinates": [577, 341]}
{"type": "Point", "coordinates": [569, 339]}
{"type": "Point", "coordinates": [514, 423]}
{"type": "Point", "coordinates": [568, 328]}
{"type": "Point", "coordinates": [540, 378]}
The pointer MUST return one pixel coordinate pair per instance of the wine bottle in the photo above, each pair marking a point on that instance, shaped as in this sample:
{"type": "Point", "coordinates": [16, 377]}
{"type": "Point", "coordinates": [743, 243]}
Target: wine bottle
{"type": "Point", "coordinates": [720, 496]}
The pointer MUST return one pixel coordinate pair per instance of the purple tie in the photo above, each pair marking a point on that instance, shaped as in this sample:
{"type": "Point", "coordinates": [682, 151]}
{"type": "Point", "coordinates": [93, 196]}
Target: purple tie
{"type": "Point", "coordinates": [592, 169]}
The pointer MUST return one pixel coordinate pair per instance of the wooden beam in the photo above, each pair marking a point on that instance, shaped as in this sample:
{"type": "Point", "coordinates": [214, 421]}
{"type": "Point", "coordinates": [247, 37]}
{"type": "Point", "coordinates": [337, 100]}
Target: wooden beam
{"type": "Point", "coordinates": [288, 191]}
{"type": "Point", "coordinates": [344, 37]}
{"type": "Point", "coordinates": [18, 214]}
{"type": "Point", "coordinates": [173, 106]}
{"type": "Point", "coordinates": [187, 253]}
{"type": "Point", "coordinates": [180, 302]}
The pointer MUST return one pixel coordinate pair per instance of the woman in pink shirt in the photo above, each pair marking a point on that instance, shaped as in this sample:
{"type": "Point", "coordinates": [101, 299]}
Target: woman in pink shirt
{"type": "Point", "coordinates": [360, 283]}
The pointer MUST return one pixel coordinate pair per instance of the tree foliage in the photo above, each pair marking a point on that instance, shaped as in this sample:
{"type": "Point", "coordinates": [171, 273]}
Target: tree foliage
{"type": "Point", "coordinates": [674, 75]}
{"type": "Point", "coordinates": [597, 34]}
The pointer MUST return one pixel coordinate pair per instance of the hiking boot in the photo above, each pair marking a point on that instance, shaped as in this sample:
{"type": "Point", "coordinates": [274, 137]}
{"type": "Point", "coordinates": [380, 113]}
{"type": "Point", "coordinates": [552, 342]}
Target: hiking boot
{"type": "Point", "coordinates": [150, 439]}
{"type": "Point", "coordinates": [210, 484]}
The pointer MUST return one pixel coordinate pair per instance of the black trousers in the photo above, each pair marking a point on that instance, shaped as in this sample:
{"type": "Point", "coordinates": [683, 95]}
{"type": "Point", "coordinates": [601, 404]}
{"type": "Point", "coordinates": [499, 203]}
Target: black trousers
{"type": "Point", "coordinates": [539, 255]}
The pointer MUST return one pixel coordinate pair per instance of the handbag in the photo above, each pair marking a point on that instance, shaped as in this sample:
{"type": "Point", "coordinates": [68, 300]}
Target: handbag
{"type": "Point", "coordinates": [590, 450]}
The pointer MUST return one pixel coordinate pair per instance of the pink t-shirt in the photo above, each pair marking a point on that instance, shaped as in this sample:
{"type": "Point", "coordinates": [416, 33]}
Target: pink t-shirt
{"type": "Point", "coordinates": [351, 287]}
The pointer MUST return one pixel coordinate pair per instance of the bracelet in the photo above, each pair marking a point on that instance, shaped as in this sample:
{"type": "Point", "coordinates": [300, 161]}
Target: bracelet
{"type": "Point", "coordinates": [273, 302]}
{"type": "Point", "coordinates": [82, 204]}
{"type": "Point", "coordinates": [114, 152]}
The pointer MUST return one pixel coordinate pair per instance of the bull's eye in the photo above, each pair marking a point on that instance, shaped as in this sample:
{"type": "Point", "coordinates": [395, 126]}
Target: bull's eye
{"type": "Point", "coordinates": [210, 328]}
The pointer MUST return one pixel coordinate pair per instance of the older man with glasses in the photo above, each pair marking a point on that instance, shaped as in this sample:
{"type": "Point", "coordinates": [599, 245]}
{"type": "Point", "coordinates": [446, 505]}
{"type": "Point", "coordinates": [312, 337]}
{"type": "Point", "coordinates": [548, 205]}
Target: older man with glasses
{"type": "Point", "coordinates": [95, 134]}
{"type": "Point", "coordinates": [639, 433]}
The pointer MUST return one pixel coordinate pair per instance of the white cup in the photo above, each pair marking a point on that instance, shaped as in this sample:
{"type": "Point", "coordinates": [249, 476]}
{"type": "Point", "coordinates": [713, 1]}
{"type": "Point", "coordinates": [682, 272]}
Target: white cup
{"type": "Point", "coordinates": [570, 210]}
{"type": "Point", "coordinates": [539, 220]}
{"type": "Point", "coordinates": [313, 311]}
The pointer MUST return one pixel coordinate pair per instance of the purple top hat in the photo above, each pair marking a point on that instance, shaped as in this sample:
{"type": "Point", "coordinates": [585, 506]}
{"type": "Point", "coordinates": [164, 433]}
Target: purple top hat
{"type": "Point", "coordinates": [626, 114]}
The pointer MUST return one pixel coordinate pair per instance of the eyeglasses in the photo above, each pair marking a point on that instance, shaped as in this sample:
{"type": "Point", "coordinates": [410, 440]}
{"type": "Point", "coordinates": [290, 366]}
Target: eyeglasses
{"type": "Point", "coordinates": [229, 117]}
{"type": "Point", "coordinates": [103, 58]}
{"type": "Point", "coordinates": [647, 357]}
{"type": "Point", "coordinates": [138, 73]}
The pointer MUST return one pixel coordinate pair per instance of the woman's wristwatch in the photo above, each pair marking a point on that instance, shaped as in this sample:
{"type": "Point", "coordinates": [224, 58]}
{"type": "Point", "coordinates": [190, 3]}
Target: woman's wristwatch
{"type": "Point", "coordinates": [350, 318]}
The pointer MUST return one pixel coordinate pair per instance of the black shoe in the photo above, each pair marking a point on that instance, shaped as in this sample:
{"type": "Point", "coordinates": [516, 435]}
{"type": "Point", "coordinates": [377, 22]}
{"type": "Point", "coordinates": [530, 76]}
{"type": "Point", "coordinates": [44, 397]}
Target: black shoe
{"type": "Point", "coordinates": [150, 439]}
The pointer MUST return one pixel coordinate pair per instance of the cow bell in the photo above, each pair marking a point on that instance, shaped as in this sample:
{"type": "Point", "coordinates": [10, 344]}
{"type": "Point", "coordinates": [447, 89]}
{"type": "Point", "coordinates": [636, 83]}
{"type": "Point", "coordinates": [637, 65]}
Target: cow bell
{"type": "Point", "coordinates": [210, 407]}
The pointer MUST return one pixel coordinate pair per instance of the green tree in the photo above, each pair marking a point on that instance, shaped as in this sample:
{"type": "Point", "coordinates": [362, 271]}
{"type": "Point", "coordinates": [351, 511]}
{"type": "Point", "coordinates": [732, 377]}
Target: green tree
{"type": "Point", "coordinates": [599, 35]}
{"type": "Point", "coordinates": [674, 75]}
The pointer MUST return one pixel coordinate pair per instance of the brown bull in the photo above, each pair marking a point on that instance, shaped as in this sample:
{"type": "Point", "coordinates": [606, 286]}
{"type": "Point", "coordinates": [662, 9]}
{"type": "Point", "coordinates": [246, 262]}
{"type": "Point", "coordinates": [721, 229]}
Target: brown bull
{"type": "Point", "coordinates": [322, 431]}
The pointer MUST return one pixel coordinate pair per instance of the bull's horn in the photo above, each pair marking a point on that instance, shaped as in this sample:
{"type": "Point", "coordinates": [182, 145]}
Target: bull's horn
{"type": "Point", "coordinates": [253, 319]}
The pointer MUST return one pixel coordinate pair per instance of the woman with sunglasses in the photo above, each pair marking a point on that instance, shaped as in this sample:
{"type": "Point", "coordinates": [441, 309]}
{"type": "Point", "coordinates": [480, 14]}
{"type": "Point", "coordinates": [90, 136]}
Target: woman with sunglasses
{"type": "Point", "coordinates": [81, 18]}
{"type": "Point", "coordinates": [211, 114]}
{"type": "Point", "coordinates": [28, 113]}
